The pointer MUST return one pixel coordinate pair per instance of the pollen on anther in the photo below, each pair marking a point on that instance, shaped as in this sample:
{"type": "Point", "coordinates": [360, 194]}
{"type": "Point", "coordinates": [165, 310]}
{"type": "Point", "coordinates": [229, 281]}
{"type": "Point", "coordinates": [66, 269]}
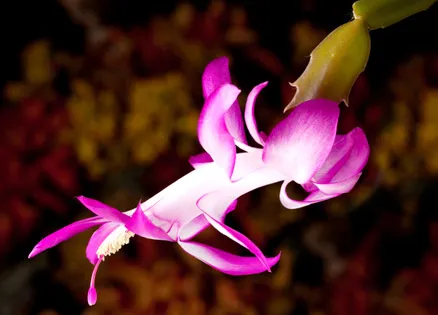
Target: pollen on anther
{"type": "Point", "coordinates": [114, 241]}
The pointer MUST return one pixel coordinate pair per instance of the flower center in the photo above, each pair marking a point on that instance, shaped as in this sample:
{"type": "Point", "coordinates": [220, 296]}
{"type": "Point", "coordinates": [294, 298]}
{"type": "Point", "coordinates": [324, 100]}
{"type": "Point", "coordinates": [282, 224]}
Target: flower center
{"type": "Point", "coordinates": [114, 241]}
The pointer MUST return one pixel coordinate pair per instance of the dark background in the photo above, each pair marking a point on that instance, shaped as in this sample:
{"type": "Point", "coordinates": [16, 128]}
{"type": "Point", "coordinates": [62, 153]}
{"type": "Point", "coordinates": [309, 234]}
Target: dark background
{"type": "Point", "coordinates": [372, 251]}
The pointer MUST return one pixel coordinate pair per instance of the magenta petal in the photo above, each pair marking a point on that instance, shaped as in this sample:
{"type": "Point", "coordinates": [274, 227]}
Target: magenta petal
{"type": "Point", "coordinates": [64, 234]}
{"type": "Point", "coordinates": [346, 159]}
{"type": "Point", "coordinates": [97, 239]}
{"type": "Point", "coordinates": [212, 131]}
{"type": "Point", "coordinates": [234, 123]}
{"type": "Point", "coordinates": [193, 228]}
{"type": "Point", "coordinates": [313, 197]}
{"type": "Point", "coordinates": [239, 238]}
{"type": "Point", "coordinates": [250, 121]}
{"type": "Point", "coordinates": [338, 188]}
{"type": "Point", "coordinates": [299, 144]}
{"type": "Point", "coordinates": [103, 210]}
{"type": "Point", "coordinates": [227, 262]}
{"type": "Point", "coordinates": [215, 75]}
{"type": "Point", "coordinates": [141, 225]}
{"type": "Point", "coordinates": [200, 159]}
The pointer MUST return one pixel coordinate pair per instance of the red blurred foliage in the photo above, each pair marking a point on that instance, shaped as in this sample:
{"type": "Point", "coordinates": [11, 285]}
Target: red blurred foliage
{"type": "Point", "coordinates": [37, 171]}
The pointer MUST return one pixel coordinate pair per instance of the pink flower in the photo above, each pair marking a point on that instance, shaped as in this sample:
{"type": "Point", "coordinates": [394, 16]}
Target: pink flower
{"type": "Point", "coordinates": [303, 148]}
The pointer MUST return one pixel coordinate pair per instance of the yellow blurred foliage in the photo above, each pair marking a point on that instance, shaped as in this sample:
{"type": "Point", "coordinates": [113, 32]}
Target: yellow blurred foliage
{"type": "Point", "coordinates": [429, 110]}
{"type": "Point", "coordinates": [37, 63]}
{"type": "Point", "coordinates": [106, 137]}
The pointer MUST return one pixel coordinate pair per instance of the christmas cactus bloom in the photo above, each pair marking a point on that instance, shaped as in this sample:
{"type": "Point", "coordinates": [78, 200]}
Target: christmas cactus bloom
{"type": "Point", "coordinates": [302, 148]}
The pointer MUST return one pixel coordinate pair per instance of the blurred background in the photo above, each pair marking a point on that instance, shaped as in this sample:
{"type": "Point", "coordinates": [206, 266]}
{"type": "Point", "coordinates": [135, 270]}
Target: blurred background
{"type": "Point", "coordinates": [101, 98]}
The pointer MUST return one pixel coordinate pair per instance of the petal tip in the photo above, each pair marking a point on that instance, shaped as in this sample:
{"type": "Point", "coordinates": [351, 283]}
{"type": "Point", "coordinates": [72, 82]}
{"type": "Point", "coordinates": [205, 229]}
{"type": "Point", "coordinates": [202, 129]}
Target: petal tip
{"type": "Point", "coordinates": [80, 198]}
{"type": "Point", "coordinates": [35, 251]}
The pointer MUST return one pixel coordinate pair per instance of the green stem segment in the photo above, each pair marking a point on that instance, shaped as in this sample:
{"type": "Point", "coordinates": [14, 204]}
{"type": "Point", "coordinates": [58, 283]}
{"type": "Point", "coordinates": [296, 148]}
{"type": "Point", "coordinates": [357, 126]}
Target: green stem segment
{"type": "Point", "coordinates": [383, 13]}
{"type": "Point", "coordinates": [334, 65]}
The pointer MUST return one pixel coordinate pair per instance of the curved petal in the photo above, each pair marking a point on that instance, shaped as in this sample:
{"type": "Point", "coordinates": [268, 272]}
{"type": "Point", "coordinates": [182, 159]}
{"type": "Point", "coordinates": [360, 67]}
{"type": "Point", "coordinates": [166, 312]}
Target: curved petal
{"type": "Point", "coordinates": [227, 262]}
{"type": "Point", "coordinates": [338, 155]}
{"type": "Point", "coordinates": [313, 197]}
{"type": "Point", "coordinates": [347, 158]}
{"type": "Point", "coordinates": [64, 234]}
{"type": "Point", "coordinates": [215, 75]}
{"type": "Point", "coordinates": [234, 122]}
{"type": "Point", "coordinates": [338, 188]}
{"type": "Point", "coordinates": [299, 145]}
{"type": "Point", "coordinates": [250, 121]}
{"type": "Point", "coordinates": [97, 239]}
{"type": "Point", "coordinates": [239, 238]}
{"type": "Point", "coordinates": [141, 225]}
{"type": "Point", "coordinates": [103, 210]}
{"type": "Point", "coordinates": [213, 134]}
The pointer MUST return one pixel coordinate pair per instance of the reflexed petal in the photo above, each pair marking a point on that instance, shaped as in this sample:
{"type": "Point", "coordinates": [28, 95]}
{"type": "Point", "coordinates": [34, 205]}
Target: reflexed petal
{"type": "Point", "coordinates": [250, 121]}
{"type": "Point", "coordinates": [338, 155]}
{"type": "Point", "coordinates": [299, 145]}
{"type": "Point", "coordinates": [141, 225]}
{"type": "Point", "coordinates": [212, 131]}
{"type": "Point", "coordinates": [215, 75]}
{"type": "Point", "coordinates": [64, 234]}
{"type": "Point", "coordinates": [313, 197]}
{"type": "Point", "coordinates": [346, 159]}
{"type": "Point", "coordinates": [227, 262]}
{"type": "Point", "coordinates": [239, 238]}
{"type": "Point", "coordinates": [338, 188]}
{"type": "Point", "coordinates": [97, 239]}
{"type": "Point", "coordinates": [103, 210]}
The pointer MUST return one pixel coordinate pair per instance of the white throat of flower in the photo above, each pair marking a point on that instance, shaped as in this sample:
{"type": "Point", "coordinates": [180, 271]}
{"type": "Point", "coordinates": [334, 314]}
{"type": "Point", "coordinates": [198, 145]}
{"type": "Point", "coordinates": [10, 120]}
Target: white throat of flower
{"type": "Point", "coordinates": [114, 241]}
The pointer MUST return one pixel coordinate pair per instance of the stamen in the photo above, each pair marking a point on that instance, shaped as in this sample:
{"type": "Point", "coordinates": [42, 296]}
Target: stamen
{"type": "Point", "coordinates": [119, 237]}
